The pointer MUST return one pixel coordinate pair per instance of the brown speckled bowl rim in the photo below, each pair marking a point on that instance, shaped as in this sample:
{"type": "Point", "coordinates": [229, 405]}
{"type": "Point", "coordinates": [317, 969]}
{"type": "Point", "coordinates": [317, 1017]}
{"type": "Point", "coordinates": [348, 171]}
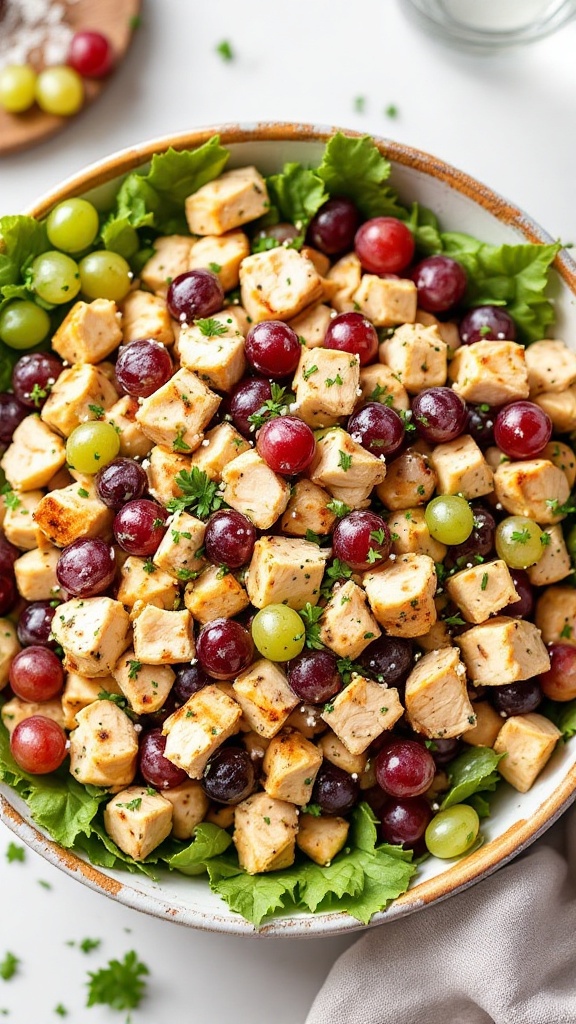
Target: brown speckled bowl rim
{"type": "Point", "coordinates": [493, 854]}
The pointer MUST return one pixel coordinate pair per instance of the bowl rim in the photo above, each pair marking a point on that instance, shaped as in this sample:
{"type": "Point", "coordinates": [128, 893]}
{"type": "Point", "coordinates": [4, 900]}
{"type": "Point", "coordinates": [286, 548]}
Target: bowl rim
{"type": "Point", "coordinates": [523, 832]}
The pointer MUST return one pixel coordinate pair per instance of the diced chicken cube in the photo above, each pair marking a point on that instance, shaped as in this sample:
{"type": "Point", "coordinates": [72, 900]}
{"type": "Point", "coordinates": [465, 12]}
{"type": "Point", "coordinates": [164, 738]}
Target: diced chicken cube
{"type": "Point", "coordinates": [199, 727]}
{"type": "Point", "coordinates": [347, 625]}
{"type": "Point", "coordinates": [34, 456]}
{"type": "Point", "coordinates": [312, 324]}
{"type": "Point", "coordinates": [222, 815]}
{"type": "Point", "coordinates": [560, 407]}
{"type": "Point", "coordinates": [410, 481]}
{"type": "Point", "coordinates": [138, 821]}
{"type": "Point", "coordinates": [437, 637]}
{"type": "Point", "coordinates": [146, 687]}
{"type": "Point", "coordinates": [401, 595]}
{"type": "Point", "coordinates": [326, 385]}
{"type": "Point", "coordinates": [461, 468]}
{"type": "Point", "coordinates": [222, 254]}
{"type": "Point", "coordinates": [19, 525]}
{"type": "Point", "coordinates": [73, 512]}
{"type": "Point", "coordinates": [141, 580]}
{"type": "Point", "coordinates": [341, 464]}
{"type": "Point", "coordinates": [307, 510]}
{"type": "Point", "coordinates": [482, 590]}
{"type": "Point", "coordinates": [79, 395]}
{"type": "Point", "coordinates": [528, 741]}
{"type": "Point", "coordinates": [447, 329]}
{"type": "Point", "coordinates": [416, 354]}
{"type": "Point", "coordinates": [134, 443]}
{"type": "Point", "coordinates": [93, 632]}
{"type": "Point", "coordinates": [266, 700]}
{"type": "Point", "coordinates": [386, 301]}
{"type": "Point", "coordinates": [214, 349]}
{"type": "Point", "coordinates": [265, 833]}
{"type": "Point", "coordinates": [278, 284]}
{"type": "Point", "coordinates": [220, 446]}
{"type": "Point", "coordinates": [189, 807]}
{"type": "Point", "coordinates": [80, 691]}
{"type": "Point", "coordinates": [563, 457]}
{"type": "Point", "coordinates": [380, 384]}
{"type": "Point", "coordinates": [411, 534]}
{"type": "Point", "coordinates": [215, 594]}
{"type": "Point", "coordinates": [227, 202]}
{"type": "Point", "coordinates": [146, 316]}
{"type": "Point", "coordinates": [15, 711]}
{"type": "Point", "coordinates": [176, 414]}
{"type": "Point", "coordinates": [89, 333]}
{"type": "Point", "coordinates": [251, 487]}
{"type": "Point", "coordinates": [180, 550]}
{"type": "Point", "coordinates": [362, 712]}
{"type": "Point", "coordinates": [555, 564]}
{"type": "Point", "coordinates": [437, 703]}
{"type": "Point", "coordinates": [285, 570]}
{"type": "Point", "coordinates": [9, 648]}
{"type": "Point", "coordinates": [321, 838]}
{"type": "Point", "coordinates": [556, 615]}
{"type": "Point", "coordinates": [164, 637]}
{"type": "Point", "coordinates": [36, 574]}
{"type": "Point", "coordinates": [551, 366]}
{"type": "Point", "coordinates": [291, 764]}
{"type": "Point", "coordinates": [488, 725]}
{"type": "Point", "coordinates": [347, 274]}
{"type": "Point", "coordinates": [171, 258]}
{"type": "Point", "coordinates": [490, 371]}
{"type": "Point", "coordinates": [162, 468]}
{"type": "Point", "coordinates": [503, 650]}
{"type": "Point", "coordinates": [334, 751]}
{"type": "Point", "coordinates": [103, 746]}
{"type": "Point", "coordinates": [306, 719]}
{"type": "Point", "coordinates": [535, 488]}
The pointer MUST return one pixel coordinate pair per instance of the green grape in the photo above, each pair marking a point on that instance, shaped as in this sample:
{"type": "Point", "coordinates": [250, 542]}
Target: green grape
{"type": "Point", "coordinates": [91, 446]}
{"type": "Point", "coordinates": [518, 542]}
{"type": "Point", "coordinates": [449, 519]}
{"type": "Point", "coordinates": [105, 275]}
{"type": "Point", "coordinates": [55, 278]}
{"type": "Point", "coordinates": [278, 632]}
{"type": "Point", "coordinates": [452, 832]}
{"type": "Point", "coordinates": [23, 324]}
{"type": "Point", "coordinates": [60, 91]}
{"type": "Point", "coordinates": [73, 225]}
{"type": "Point", "coordinates": [17, 88]}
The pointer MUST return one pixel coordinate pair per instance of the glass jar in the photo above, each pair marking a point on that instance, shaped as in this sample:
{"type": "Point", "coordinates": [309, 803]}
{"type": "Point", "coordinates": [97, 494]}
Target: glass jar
{"type": "Point", "coordinates": [488, 25]}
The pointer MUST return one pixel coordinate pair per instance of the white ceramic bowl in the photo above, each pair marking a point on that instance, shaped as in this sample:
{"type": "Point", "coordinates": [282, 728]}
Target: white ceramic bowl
{"type": "Point", "coordinates": [462, 204]}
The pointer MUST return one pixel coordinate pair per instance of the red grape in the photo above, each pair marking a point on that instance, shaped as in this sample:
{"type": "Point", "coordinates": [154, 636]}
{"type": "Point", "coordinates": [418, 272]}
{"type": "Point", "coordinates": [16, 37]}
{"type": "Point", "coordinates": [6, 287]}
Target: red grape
{"type": "Point", "coordinates": [404, 821]}
{"type": "Point", "coordinates": [87, 567]}
{"type": "Point", "coordinates": [522, 430]}
{"type": "Point", "coordinates": [524, 606]}
{"type": "Point", "coordinates": [273, 236]}
{"type": "Point", "coordinates": [314, 676]}
{"type": "Point", "coordinates": [157, 769]}
{"type": "Point", "coordinates": [12, 412]}
{"type": "Point", "coordinates": [142, 367]}
{"type": "Point", "coordinates": [229, 538]}
{"type": "Point", "coordinates": [439, 415]}
{"type": "Point", "coordinates": [481, 425]}
{"type": "Point", "coordinates": [91, 54]}
{"type": "Point", "coordinates": [8, 592]}
{"type": "Point", "coordinates": [224, 648]}
{"type": "Point", "coordinates": [486, 323]}
{"type": "Point", "coordinates": [333, 228]}
{"type": "Point", "coordinates": [8, 555]}
{"type": "Point", "coordinates": [559, 682]}
{"type": "Point", "coordinates": [229, 775]}
{"type": "Point", "coordinates": [272, 348]}
{"type": "Point", "coordinates": [189, 679]}
{"type": "Point", "coordinates": [384, 245]}
{"type": "Point", "coordinates": [195, 295]}
{"type": "Point", "coordinates": [361, 539]}
{"type": "Point", "coordinates": [140, 526]}
{"type": "Point", "coordinates": [38, 745]}
{"type": "Point", "coordinates": [33, 375]}
{"type": "Point", "coordinates": [247, 399]}
{"type": "Point", "coordinates": [122, 480]}
{"type": "Point", "coordinates": [354, 333]}
{"type": "Point", "coordinates": [404, 768]}
{"type": "Point", "coordinates": [286, 444]}
{"type": "Point", "coordinates": [441, 283]}
{"type": "Point", "coordinates": [35, 625]}
{"type": "Point", "coordinates": [377, 428]}
{"type": "Point", "coordinates": [36, 674]}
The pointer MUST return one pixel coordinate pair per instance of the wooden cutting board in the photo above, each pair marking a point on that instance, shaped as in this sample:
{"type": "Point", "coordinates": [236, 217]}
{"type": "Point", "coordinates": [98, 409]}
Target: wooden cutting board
{"type": "Point", "coordinates": [117, 20]}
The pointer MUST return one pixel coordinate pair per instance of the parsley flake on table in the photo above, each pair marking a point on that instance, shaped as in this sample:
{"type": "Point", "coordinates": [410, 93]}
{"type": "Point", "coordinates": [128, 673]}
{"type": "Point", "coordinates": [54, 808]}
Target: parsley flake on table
{"type": "Point", "coordinates": [9, 966]}
{"type": "Point", "coordinates": [225, 51]}
{"type": "Point", "coordinates": [119, 985]}
{"type": "Point", "coordinates": [87, 945]}
{"type": "Point", "coordinates": [15, 852]}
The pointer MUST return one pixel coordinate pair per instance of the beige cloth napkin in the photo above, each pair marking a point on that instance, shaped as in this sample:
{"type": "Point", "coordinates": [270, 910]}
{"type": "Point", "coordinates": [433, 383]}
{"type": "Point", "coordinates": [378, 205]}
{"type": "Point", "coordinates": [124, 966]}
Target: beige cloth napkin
{"type": "Point", "coordinates": [503, 952]}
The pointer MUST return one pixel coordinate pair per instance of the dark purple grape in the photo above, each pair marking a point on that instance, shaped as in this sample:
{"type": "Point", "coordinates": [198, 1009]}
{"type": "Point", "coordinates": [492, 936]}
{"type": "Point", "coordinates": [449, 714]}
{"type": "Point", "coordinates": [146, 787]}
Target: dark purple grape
{"type": "Point", "coordinates": [12, 412]}
{"type": "Point", "coordinates": [195, 295]}
{"type": "Point", "coordinates": [142, 367]}
{"type": "Point", "coordinates": [189, 679]}
{"type": "Point", "coordinates": [404, 821]}
{"type": "Point", "coordinates": [140, 526]}
{"type": "Point", "coordinates": [480, 542]}
{"type": "Point", "coordinates": [481, 420]}
{"type": "Point", "coordinates": [361, 539]}
{"type": "Point", "coordinates": [444, 751]}
{"type": "Point", "coordinates": [441, 283]}
{"type": "Point", "coordinates": [8, 592]}
{"type": "Point", "coordinates": [314, 676]}
{"type": "Point", "coordinates": [404, 768]}
{"type": "Point", "coordinates": [35, 624]}
{"type": "Point", "coordinates": [388, 659]}
{"type": "Point", "coordinates": [439, 415]}
{"type": "Point", "coordinates": [229, 776]}
{"type": "Point", "coordinates": [333, 228]}
{"type": "Point", "coordinates": [486, 323]}
{"type": "Point", "coordinates": [8, 555]}
{"type": "Point", "coordinates": [229, 538]}
{"type": "Point", "coordinates": [87, 567]}
{"type": "Point", "coordinates": [247, 399]}
{"type": "Point", "coordinates": [276, 234]}
{"type": "Point", "coordinates": [523, 608]}
{"type": "Point", "coordinates": [157, 769]}
{"type": "Point", "coordinates": [121, 481]}
{"type": "Point", "coordinates": [377, 428]}
{"type": "Point", "coordinates": [224, 648]}
{"type": "Point", "coordinates": [517, 698]}
{"type": "Point", "coordinates": [33, 377]}
{"type": "Point", "coordinates": [335, 791]}
{"type": "Point", "coordinates": [273, 349]}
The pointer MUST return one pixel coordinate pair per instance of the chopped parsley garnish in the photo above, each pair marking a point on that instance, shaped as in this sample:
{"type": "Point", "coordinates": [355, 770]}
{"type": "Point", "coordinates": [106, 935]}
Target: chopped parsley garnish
{"type": "Point", "coordinates": [520, 536]}
{"type": "Point", "coordinates": [308, 373]}
{"type": "Point", "coordinates": [391, 110]}
{"type": "Point", "coordinates": [37, 394]}
{"type": "Point", "coordinates": [344, 460]}
{"type": "Point", "coordinates": [360, 104]}
{"type": "Point", "coordinates": [149, 566]}
{"type": "Point", "coordinates": [376, 394]}
{"type": "Point", "coordinates": [484, 582]}
{"type": "Point", "coordinates": [314, 809]}
{"type": "Point", "coordinates": [132, 805]}
{"type": "Point", "coordinates": [566, 633]}
{"type": "Point", "coordinates": [119, 985]}
{"type": "Point", "coordinates": [545, 539]}
{"type": "Point", "coordinates": [336, 571]}
{"type": "Point", "coordinates": [83, 493]}
{"type": "Point", "coordinates": [11, 500]}
{"type": "Point", "coordinates": [311, 616]}
{"type": "Point", "coordinates": [560, 510]}
{"type": "Point", "coordinates": [338, 508]}
{"type": "Point", "coordinates": [214, 267]}
{"type": "Point", "coordinates": [187, 574]}
{"type": "Point", "coordinates": [179, 444]}
{"type": "Point", "coordinates": [454, 620]}
{"type": "Point", "coordinates": [379, 536]}
{"type": "Point", "coordinates": [373, 556]}
{"type": "Point", "coordinates": [98, 411]}
{"type": "Point", "coordinates": [346, 668]}
{"type": "Point", "coordinates": [210, 327]}
{"type": "Point", "coordinates": [272, 407]}
{"type": "Point", "coordinates": [134, 669]}
{"type": "Point", "coordinates": [199, 493]}
{"type": "Point", "coordinates": [330, 381]}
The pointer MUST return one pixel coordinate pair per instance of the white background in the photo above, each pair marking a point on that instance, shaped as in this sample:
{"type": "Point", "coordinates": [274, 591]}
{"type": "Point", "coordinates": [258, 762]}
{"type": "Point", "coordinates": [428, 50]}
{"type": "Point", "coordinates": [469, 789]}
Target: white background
{"type": "Point", "coordinates": [509, 121]}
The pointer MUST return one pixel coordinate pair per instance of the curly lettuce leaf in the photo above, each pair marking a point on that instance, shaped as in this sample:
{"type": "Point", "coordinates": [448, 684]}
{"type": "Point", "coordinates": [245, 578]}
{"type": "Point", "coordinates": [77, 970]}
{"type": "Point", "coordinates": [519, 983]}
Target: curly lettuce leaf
{"type": "Point", "coordinates": [297, 194]}
{"type": "Point", "coordinates": [209, 841]}
{"type": "Point", "coordinates": [357, 169]}
{"type": "Point", "coordinates": [21, 240]}
{"type": "Point", "coordinates": [473, 771]}
{"type": "Point", "coordinates": [563, 715]}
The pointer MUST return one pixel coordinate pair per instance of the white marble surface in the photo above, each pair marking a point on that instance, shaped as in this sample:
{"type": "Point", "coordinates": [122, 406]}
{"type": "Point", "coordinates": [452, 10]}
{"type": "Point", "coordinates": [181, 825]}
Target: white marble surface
{"type": "Point", "coordinates": [508, 120]}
